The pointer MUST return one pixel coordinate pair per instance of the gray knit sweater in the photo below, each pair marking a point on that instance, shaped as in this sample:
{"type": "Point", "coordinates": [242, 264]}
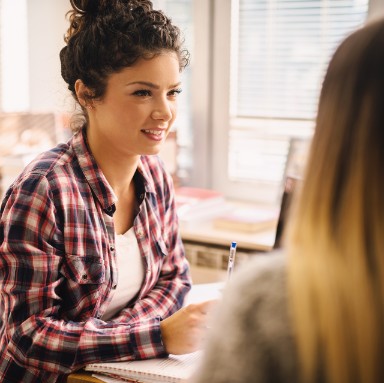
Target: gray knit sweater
{"type": "Point", "coordinates": [251, 338]}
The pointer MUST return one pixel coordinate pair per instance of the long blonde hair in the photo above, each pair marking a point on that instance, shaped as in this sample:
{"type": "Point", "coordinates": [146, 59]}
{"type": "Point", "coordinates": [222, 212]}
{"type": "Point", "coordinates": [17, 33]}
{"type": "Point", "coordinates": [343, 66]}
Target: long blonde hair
{"type": "Point", "coordinates": [335, 241]}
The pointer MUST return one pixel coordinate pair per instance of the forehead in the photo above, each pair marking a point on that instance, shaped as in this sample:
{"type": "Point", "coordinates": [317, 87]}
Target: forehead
{"type": "Point", "coordinates": [162, 69]}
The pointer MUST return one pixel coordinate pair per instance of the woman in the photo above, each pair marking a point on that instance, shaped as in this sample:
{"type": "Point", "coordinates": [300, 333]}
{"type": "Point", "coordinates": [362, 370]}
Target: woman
{"type": "Point", "coordinates": [92, 264]}
{"type": "Point", "coordinates": [317, 315]}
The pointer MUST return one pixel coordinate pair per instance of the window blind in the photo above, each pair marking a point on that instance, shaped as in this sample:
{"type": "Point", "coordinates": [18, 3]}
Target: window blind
{"type": "Point", "coordinates": [280, 51]}
{"type": "Point", "coordinates": [283, 47]}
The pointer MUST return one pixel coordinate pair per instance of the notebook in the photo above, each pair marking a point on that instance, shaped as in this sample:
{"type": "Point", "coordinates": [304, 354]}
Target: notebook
{"type": "Point", "coordinates": [174, 369]}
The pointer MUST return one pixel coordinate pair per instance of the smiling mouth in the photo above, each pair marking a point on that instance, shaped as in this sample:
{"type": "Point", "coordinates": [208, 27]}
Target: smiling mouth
{"type": "Point", "coordinates": [155, 132]}
{"type": "Point", "coordinates": [155, 135]}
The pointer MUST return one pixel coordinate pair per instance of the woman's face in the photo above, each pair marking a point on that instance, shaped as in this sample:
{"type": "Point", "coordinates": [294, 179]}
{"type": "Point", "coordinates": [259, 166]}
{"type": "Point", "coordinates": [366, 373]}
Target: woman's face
{"type": "Point", "coordinates": [137, 111]}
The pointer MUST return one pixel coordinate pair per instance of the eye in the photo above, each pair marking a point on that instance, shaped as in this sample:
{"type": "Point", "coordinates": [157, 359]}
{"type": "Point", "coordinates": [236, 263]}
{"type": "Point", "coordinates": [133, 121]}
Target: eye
{"type": "Point", "coordinates": [142, 93]}
{"type": "Point", "coordinates": [174, 92]}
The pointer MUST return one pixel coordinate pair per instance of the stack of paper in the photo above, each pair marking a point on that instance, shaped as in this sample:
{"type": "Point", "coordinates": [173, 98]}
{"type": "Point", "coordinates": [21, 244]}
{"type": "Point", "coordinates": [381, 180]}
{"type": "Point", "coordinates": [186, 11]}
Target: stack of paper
{"type": "Point", "coordinates": [175, 368]}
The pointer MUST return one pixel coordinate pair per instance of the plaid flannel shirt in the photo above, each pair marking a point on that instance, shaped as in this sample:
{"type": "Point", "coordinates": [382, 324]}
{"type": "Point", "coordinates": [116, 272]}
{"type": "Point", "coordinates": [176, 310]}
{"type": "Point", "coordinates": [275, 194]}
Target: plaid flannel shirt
{"type": "Point", "coordinates": [58, 266]}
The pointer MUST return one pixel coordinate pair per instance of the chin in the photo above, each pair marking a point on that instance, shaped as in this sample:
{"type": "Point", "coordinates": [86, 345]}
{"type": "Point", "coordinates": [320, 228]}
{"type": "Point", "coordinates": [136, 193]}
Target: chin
{"type": "Point", "coordinates": [151, 152]}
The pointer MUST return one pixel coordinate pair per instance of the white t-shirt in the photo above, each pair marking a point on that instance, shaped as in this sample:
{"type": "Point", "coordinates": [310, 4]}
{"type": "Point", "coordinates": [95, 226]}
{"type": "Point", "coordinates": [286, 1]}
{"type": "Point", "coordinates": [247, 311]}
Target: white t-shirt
{"type": "Point", "coordinates": [130, 272]}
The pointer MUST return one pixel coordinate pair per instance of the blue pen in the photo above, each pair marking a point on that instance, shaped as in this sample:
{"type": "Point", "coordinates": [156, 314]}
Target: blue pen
{"type": "Point", "coordinates": [231, 259]}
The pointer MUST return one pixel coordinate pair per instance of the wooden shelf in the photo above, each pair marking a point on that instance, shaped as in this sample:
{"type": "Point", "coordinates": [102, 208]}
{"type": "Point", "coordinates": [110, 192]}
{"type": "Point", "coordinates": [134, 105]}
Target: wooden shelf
{"type": "Point", "coordinates": [204, 232]}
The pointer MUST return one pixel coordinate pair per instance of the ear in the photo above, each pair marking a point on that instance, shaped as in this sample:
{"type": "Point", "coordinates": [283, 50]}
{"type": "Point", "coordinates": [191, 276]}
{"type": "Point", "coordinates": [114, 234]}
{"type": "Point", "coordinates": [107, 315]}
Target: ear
{"type": "Point", "coordinates": [83, 93]}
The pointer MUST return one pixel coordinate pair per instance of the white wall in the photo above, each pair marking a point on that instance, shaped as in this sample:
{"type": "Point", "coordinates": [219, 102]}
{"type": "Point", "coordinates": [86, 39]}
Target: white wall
{"type": "Point", "coordinates": [47, 25]}
{"type": "Point", "coordinates": [14, 79]}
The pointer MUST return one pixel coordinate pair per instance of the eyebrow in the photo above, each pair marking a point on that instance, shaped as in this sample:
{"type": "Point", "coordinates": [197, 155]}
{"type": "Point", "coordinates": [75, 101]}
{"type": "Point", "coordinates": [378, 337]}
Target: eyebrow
{"type": "Point", "coordinates": [151, 84]}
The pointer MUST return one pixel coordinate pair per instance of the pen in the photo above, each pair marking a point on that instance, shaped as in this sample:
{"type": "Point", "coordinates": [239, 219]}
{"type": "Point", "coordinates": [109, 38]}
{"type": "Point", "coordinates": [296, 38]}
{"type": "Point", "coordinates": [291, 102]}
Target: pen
{"type": "Point", "coordinates": [231, 259]}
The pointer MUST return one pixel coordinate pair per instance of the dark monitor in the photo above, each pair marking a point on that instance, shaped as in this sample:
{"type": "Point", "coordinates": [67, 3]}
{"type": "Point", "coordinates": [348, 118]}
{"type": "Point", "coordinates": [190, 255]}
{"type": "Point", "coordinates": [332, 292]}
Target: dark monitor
{"type": "Point", "coordinates": [285, 206]}
{"type": "Point", "coordinates": [294, 171]}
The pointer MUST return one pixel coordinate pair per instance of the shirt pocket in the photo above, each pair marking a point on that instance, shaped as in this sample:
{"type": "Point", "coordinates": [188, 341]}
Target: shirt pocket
{"type": "Point", "coordinates": [83, 285]}
{"type": "Point", "coordinates": [84, 269]}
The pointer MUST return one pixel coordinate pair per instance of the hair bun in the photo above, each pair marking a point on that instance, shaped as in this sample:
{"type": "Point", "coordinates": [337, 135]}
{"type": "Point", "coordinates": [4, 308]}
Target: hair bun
{"type": "Point", "coordinates": [80, 5]}
{"type": "Point", "coordinates": [90, 7]}
{"type": "Point", "coordinates": [93, 7]}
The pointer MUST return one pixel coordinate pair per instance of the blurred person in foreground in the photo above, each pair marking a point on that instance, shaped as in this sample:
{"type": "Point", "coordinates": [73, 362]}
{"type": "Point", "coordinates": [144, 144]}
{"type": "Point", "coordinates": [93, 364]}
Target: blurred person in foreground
{"type": "Point", "coordinates": [315, 312]}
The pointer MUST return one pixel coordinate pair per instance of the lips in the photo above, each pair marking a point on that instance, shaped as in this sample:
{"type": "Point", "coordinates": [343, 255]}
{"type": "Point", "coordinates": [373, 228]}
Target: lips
{"type": "Point", "coordinates": [150, 131]}
{"type": "Point", "coordinates": [154, 134]}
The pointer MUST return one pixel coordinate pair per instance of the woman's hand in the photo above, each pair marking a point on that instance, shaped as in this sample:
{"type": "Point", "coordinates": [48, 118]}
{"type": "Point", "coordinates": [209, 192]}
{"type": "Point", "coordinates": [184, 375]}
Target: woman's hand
{"type": "Point", "coordinates": [184, 331]}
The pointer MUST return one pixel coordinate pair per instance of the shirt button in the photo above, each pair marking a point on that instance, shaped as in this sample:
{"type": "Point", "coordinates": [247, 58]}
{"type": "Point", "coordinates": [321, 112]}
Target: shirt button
{"type": "Point", "coordinates": [140, 233]}
{"type": "Point", "coordinates": [141, 196]}
{"type": "Point", "coordinates": [112, 248]}
{"type": "Point", "coordinates": [114, 287]}
{"type": "Point", "coordinates": [84, 277]}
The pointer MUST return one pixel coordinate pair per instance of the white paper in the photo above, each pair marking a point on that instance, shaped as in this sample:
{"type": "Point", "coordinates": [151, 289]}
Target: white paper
{"type": "Point", "coordinates": [174, 368]}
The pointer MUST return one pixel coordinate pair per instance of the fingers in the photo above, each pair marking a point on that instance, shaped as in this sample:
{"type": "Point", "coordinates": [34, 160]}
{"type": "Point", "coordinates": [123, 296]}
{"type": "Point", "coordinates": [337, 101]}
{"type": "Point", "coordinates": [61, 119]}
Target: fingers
{"type": "Point", "coordinates": [185, 330]}
{"type": "Point", "coordinates": [204, 307]}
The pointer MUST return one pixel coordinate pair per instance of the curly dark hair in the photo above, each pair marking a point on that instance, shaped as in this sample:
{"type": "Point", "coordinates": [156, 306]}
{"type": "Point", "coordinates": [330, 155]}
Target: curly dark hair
{"type": "Point", "coordinates": [105, 36]}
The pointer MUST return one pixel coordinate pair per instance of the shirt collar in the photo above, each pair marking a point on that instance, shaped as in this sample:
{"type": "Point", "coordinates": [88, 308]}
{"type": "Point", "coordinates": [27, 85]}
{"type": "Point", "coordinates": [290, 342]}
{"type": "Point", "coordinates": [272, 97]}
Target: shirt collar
{"type": "Point", "coordinates": [93, 174]}
{"type": "Point", "coordinates": [95, 177]}
{"type": "Point", "coordinates": [143, 169]}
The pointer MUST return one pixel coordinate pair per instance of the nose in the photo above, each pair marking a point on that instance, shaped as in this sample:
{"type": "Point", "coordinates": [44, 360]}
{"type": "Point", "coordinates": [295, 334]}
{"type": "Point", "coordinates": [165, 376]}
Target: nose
{"type": "Point", "coordinates": [163, 110]}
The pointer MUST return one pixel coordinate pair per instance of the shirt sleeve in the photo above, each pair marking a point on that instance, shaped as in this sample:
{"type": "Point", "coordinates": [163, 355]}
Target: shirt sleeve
{"type": "Point", "coordinates": [34, 332]}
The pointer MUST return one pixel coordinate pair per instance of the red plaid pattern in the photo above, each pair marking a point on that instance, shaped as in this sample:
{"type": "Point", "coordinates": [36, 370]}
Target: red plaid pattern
{"type": "Point", "coordinates": [58, 266]}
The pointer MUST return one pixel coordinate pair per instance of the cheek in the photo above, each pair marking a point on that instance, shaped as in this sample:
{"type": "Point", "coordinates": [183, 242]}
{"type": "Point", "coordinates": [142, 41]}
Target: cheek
{"type": "Point", "coordinates": [174, 110]}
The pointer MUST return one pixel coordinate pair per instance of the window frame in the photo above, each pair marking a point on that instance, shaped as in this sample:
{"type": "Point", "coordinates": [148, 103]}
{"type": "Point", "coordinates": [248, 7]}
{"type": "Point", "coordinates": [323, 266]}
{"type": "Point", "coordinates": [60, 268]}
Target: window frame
{"type": "Point", "coordinates": [222, 119]}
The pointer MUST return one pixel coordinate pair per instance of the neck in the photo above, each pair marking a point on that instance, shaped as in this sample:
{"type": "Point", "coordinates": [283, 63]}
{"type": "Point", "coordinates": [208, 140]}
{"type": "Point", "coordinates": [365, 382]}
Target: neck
{"type": "Point", "coordinates": [117, 169]}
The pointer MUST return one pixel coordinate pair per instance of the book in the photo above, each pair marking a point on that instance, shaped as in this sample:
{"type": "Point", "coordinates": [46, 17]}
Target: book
{"type": "Point", "coordinates": [198, 204]}
{"type": "Point", "coordinates": [173, 369]}
{"type": "Point", "coordinates": [247, 220]}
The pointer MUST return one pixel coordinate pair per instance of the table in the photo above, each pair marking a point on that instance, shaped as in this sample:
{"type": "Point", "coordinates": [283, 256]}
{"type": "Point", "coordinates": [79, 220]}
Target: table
{"type": "Point", "coordinates": [82, 377]}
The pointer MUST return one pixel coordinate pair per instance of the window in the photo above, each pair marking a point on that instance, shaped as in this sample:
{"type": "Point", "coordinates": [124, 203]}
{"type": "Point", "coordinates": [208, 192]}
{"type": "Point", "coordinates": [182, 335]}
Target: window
{"type": "Point", "coordinates": [281, 48]}
{"type": "Point", "coordinates": [276, 55]}
{"type": "Point", "coordinates": [256, 72]}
